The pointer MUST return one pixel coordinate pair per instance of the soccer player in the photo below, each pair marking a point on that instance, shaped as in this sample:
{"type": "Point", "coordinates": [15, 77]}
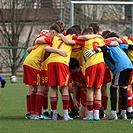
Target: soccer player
{"type": "Point", "coordinates": [32, 72]}
{"type": "Point", "coordinates": [78, 77]}
{"type": "Point", "coordinates": [3, 82]}
{"type": "Point", "coordinates": [58, 72]}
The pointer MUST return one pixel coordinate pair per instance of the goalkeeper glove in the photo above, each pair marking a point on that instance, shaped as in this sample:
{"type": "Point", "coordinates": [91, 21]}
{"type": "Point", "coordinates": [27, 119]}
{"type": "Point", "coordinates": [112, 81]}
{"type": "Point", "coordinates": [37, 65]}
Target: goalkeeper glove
{"type": "Point", "coordinates": [89, 53]}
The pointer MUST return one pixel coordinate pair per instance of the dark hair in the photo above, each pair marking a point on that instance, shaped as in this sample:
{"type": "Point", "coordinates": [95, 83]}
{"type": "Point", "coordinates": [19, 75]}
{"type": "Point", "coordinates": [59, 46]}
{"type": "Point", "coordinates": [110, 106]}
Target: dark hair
{"type": "Point", "coordinates": [58, 26]}
{"type": "Point", "coordinates": [112, 34]}
{"type": "Point", "coordinates": [73, 64]}
{"type": "Point", "coordinates": [87, 31]}
{"type": "Point", "coordinates": [77, 27]}
{"type": "Point", "coordinates": [95, 27]}
{"type": "Point", "coordinates": [105, 33]}
{"type": "Point", "coordinates": [71, 31]}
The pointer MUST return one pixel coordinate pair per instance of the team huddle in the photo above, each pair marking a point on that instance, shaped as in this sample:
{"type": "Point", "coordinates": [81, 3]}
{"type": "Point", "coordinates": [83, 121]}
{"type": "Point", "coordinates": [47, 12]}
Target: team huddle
{"type": "Point", "coordinates": [79, 64]}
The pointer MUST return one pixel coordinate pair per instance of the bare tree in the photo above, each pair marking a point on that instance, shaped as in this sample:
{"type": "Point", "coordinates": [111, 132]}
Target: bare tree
{"type": "Point", "coordinates": [16, 30]}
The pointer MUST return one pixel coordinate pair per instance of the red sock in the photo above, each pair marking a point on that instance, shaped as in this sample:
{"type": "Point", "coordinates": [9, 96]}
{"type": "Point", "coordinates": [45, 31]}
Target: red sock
{"type": "Point", "coordinates": [90, 105]}
{"type": "Point", "coordinates": [65, 101]}
{"type": "Point", "coordinates": [39, 102]}
{"type": "Point", "coordinates": [33, 101]}
{"type": "Point", "coordinates": [104, 102]}
{"type": "Point", "coordinates": [28, 104]}
{"type": "Point", "coordinates": [45, 101]}
{"type": "Point", "coordinates": [97, 104]}
{"type": "Point", "coordinates": [53, 101]}
{"type": "Point", "coordinates": [129, 103]}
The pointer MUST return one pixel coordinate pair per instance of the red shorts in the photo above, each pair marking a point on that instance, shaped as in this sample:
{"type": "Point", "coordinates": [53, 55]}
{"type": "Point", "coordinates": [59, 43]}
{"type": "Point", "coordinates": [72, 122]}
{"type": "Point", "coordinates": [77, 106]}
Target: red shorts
{"type": "Point", "coordinates": [107, 76]}
{"type": "Point", "coordinates": [94, 75]}
{"type": "Point", "coordinates": [58, 74]}
{"type": "Point", "coordinates": [131, 78]}
{"type": "Point", "coordinates": [44, 75]}
{"type": "Point", "coordinates": [31, 76]}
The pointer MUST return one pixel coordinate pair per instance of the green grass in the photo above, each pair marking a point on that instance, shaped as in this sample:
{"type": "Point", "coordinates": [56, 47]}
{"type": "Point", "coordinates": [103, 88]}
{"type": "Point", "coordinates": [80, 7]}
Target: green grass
{"type": "Point", "coordinates": [13, 109]}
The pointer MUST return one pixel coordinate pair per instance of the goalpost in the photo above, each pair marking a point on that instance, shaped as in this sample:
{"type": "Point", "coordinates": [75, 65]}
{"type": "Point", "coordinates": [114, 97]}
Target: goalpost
{"type": "Point", "coordinates": [88, 8]}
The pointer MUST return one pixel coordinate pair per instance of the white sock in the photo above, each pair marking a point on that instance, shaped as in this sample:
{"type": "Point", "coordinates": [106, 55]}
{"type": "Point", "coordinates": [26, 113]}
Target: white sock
{"type": "Point", "coordinates": [96, 112]}
{"type": "Point", "coordinates": [65, 112]}
{"type": "Point", "coordinates": [54, 111]}
{"type": "Point", "coordinates": [113, 112]}
{"type": "Point", "coordinates": [129, 109]}
{"type": "Point", "coordinates": [90, 113]}
{"type": "Point", "coordinates": [45, 110]}
{"type": "Point", "coordinates": [123, 112]}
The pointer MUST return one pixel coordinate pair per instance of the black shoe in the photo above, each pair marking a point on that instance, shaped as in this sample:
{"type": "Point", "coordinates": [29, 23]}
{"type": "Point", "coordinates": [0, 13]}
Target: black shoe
{"type": "Point", "coordinates": [101, 112]}
{"type": "Point", "coordinates": [73, 113]}
{"type": "Point", "coordinates": [27, 116]}
{"type": "Point", "coordinates": [47, 114]}
{"type": "Point", "coordinates": [59, 117]}
{"type": "Point", "coordinates": [3, 82]}
{"type": "Point", "coordinates": [118, 113]}
{"type": "Point", "coordinates": [129, 114]}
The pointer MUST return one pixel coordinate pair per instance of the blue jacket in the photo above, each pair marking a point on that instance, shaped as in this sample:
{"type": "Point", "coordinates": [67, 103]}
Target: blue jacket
{"type": "Point", "coordinates": [116, 58]}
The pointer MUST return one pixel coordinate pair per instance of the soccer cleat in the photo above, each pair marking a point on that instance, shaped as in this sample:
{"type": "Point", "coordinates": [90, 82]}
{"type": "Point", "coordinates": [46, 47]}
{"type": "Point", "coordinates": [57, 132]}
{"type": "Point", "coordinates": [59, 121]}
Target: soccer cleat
{"type": "Point", "coordinates": [46, 117]}
{"type": "Point", "coordinates": [3, 82]}
{"type": "Point", "coordinates": [46, 114]}
{"type": "Point", "coordinates": [27, 116]}
{"type": "Point", "coordinates": [73, 113]}
{"type": "Point", "coordinates": [67, 117]}
{"type": "Point", "coordinates": [59, 117]}
{"type": "Point", "coordinates": [55, 116]}
{"type": "Point", "coordinates": [101, 112]}
{"type": "Point", "coordinates": [96, 118]}
{"type": "Point", "coordinates": [129, 114]}
{"type": "Point", "coordinates": [111, 117]}
{"type": "Point", "coordinates": [88, 118]}
{"type": "Point", "coordinates": [123, 117]}
{"type": "Point", "coordinates": [41, 117]}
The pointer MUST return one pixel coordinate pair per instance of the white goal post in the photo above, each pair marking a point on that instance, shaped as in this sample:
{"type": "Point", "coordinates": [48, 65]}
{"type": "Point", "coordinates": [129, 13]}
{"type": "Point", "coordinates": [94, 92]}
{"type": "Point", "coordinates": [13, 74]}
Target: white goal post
{"type": "Point", "coordinates": [73, 3]}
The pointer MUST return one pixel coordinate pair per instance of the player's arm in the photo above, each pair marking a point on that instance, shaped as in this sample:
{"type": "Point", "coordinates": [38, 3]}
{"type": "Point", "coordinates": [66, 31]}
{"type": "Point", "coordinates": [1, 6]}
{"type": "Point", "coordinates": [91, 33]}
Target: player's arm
{"type": "Point", "coordinates": [55, 50]}
{"type": "Point", "coordinates": [75, 90]}
{"type": "Point", "coordinates": [87, 37]}
{"type": "Point", "coordinates": [66, 40]}
{"type": "Point", "coordinates": [115, 39]}
{"type": "Point", "coordinates": [41, 40]}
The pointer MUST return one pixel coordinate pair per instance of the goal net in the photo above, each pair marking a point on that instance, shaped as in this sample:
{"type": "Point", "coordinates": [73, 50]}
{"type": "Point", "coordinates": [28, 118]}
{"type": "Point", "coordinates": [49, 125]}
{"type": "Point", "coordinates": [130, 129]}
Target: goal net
{"type": "Point", "coordinates": [114, 16]}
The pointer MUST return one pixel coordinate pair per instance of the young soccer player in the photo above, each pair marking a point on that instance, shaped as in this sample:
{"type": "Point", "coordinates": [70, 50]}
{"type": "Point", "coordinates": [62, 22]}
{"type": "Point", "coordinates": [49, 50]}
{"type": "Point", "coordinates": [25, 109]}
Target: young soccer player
{"type": "Point", "coordinates": [32, 73]}
{"type": "Point", "coordinates": [78, 78]}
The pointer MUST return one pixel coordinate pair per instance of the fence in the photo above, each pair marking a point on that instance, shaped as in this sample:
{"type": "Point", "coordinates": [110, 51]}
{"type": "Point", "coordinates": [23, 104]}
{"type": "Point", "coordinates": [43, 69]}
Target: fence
{"type": "Point", "coordinates": [7, 61]}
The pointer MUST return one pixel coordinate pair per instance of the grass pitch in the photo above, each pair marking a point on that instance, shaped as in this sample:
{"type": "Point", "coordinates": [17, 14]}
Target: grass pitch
{"type": "Point", "coordinates": [13, 109]}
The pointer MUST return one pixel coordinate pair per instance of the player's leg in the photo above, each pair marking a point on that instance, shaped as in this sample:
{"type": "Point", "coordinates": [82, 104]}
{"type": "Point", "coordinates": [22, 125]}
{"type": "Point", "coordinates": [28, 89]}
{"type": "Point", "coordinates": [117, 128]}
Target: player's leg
{"type": "Point", "coordinates": [28, 103]}
{"type": "Point", "coordinates": [3, 82]}
{"type": "Point", "coordinates": [45, 102]}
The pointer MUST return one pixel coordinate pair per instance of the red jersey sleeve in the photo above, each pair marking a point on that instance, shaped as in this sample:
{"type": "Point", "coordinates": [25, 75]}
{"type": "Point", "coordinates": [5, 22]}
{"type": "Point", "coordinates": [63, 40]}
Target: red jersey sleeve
{"type": "Point", "coordinates": [49, 40]}
{"type": "Point", "coordinates": [107, 42]}
{"type": "Point", "coordinates": [78, 42]}
{"type": "Point", "coordinates": [130, 38]}
{"type": "Point", "coordinates": [124, 41]}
